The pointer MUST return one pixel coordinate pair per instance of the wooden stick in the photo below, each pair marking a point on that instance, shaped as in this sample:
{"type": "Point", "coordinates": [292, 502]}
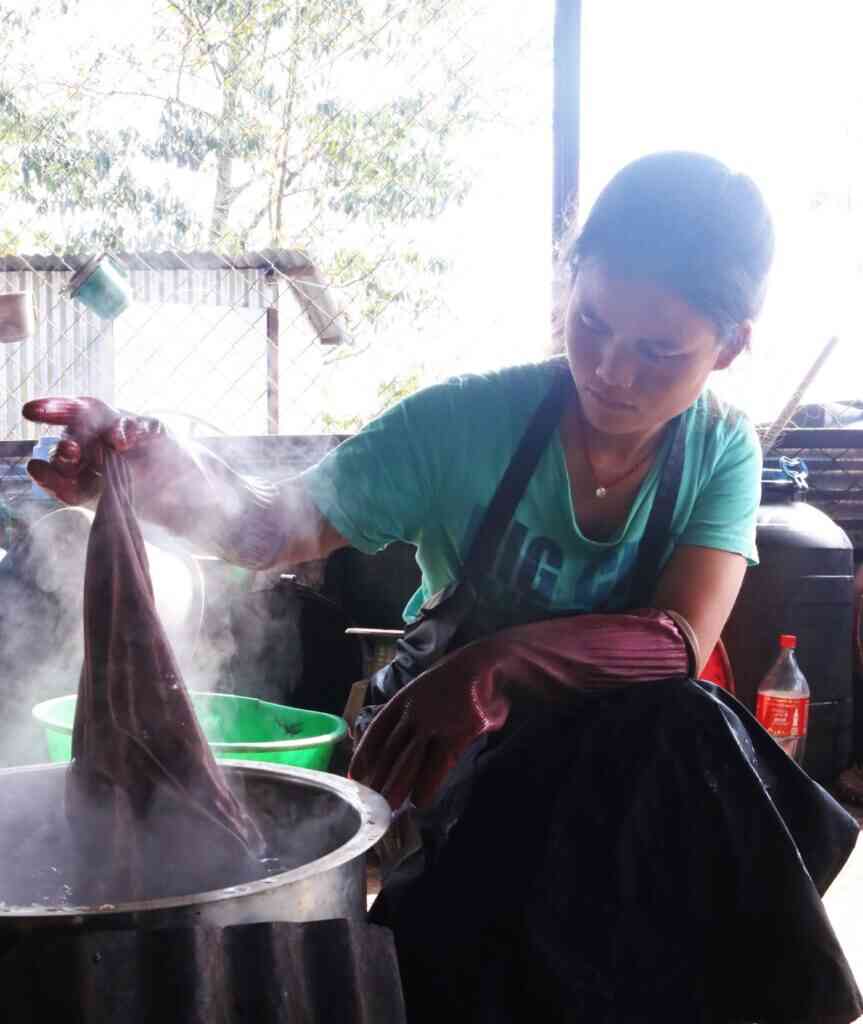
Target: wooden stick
{"type": "Point", "coordinates": [790, 407]}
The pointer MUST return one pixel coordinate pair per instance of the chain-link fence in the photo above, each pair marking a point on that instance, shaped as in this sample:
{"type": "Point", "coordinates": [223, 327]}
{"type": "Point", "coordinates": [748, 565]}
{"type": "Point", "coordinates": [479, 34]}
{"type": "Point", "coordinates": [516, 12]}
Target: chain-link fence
{"type": "Point", "coordinates": [206, 335]}
{"type": "Point", "coordinates": [299, 200]}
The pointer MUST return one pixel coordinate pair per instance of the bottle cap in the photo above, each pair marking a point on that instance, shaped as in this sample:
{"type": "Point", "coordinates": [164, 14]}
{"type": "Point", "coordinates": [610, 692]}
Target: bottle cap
{"type": "Point", "coordinates": [788, 640]}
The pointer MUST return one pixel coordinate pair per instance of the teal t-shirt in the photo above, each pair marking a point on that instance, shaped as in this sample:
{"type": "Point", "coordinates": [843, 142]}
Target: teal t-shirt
{"type": "Point", "coordinates": [425, 471]}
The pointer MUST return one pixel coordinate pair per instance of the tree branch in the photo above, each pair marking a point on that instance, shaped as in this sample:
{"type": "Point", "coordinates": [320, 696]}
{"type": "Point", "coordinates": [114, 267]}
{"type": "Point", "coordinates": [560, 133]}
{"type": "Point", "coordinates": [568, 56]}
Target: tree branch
{"type": "Point", "coordinates": [201, 28]}
{"type": "Point", "coordinates": [134, 94]}
{"type": "Point", "coordinates": [256, 220]}
{"type": "Point", "coordinates": [368, 273]}
{"type": "Point", "coordinates": [237, 190]}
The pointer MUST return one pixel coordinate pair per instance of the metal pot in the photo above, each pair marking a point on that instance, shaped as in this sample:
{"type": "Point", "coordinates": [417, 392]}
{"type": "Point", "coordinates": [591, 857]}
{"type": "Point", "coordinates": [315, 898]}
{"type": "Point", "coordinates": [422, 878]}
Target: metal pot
{"type": "Point", "coordinates": [319, 827]}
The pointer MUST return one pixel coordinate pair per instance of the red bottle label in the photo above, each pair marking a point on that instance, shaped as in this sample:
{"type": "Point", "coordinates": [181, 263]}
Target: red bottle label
{"type": "Point", "coordinates": [783, 717]}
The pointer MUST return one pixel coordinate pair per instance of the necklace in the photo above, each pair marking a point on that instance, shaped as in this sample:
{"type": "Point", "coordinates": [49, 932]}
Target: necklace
{"type": "Point", "coordinates": [603, 489]}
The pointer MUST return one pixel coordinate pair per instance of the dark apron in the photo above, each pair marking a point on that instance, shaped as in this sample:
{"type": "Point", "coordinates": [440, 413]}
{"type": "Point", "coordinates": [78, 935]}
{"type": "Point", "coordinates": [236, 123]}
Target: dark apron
{"type": "Point", "coordinates": [649, 854]}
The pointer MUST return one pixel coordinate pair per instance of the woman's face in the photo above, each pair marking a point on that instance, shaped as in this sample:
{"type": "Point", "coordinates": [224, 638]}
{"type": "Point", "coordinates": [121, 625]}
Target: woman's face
{"type": "Point", "coordinates": [639, 354]}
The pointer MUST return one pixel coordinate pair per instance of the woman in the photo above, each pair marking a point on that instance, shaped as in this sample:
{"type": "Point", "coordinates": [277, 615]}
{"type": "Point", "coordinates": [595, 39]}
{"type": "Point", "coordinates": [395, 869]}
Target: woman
{"type": "Point", "coordinates": [588, 845]}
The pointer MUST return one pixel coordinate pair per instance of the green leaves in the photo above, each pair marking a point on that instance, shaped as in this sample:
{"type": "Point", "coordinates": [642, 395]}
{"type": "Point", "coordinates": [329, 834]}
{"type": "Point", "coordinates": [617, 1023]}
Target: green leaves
{"type": "Point", "coordinates": [187, 137]}
{"type": "Point", "coordinates": [326, 124]}
{"type": "Point", "coordinates": [83, 180]}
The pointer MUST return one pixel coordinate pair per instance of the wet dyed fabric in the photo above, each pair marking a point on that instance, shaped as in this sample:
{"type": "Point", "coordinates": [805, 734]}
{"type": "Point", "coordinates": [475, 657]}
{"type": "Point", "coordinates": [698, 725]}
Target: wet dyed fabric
{"type": "Point", "coordinates": [144, 794]}
{"type": "Point", "coordinates": [645, 855]}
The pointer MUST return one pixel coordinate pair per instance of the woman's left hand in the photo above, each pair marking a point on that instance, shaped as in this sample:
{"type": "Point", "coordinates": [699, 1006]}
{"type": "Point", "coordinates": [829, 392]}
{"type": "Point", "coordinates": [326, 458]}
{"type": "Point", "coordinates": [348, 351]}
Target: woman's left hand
{"type": "Point", "coordinates": [417, 737]}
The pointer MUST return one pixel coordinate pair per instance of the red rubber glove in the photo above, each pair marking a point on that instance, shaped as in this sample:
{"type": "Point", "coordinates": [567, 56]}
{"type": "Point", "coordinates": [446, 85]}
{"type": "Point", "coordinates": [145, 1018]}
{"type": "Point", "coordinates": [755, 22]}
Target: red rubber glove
{"type": "Point", "coordinates": [74, 473]}
{"type": "Point", "coordinates": [179, 485]}
{"type": "Point", "coordinates": [417, 737]}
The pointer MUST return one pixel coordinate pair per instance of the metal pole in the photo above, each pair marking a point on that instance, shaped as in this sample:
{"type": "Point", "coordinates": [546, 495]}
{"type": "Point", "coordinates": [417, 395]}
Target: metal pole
{"type": "Point", "coordinates": [273, 358]}
{"type": "Point", "coordinates": [567, 109]}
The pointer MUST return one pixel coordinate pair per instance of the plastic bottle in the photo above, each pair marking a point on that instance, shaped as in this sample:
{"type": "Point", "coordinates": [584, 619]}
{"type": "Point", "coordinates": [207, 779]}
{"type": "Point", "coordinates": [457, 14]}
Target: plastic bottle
{"type": "Point", "coordinates": [782, 706]}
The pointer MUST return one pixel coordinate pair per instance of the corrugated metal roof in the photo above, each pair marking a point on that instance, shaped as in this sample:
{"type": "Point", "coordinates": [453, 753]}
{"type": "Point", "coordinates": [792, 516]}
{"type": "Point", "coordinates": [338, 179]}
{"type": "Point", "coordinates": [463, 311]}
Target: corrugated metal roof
{"type": "Point", "coordinates": [284, 260]}
{"type": "Point", "coordinates": [322, 306]}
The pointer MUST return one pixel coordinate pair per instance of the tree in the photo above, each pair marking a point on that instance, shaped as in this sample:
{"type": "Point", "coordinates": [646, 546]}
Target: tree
{"type": "Point", "coordinates": [67, 182]}
{"type": "Point", "coordinates": [387, 394]}
{"type": "Point", "coordinates": [242, 124]}
{"type": "Point", "coordinates": [281, 82]}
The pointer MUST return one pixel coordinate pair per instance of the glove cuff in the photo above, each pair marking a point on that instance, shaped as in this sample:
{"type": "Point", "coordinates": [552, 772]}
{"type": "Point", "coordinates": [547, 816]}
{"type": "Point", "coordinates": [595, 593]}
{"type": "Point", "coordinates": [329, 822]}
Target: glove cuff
{"type": "Point", "coordinates": [687, 633]}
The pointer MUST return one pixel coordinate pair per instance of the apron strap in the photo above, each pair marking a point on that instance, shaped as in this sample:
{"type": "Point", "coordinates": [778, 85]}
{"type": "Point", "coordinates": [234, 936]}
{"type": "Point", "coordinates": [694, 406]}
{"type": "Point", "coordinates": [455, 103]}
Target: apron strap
{"type": "Point", "coordinates": [654, 541]}
{"type": "Point", "coordinates": [512, 486]}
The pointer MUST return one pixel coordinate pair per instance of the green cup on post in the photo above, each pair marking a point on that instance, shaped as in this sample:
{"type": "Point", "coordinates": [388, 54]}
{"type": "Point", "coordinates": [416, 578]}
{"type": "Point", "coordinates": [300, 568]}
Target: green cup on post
{"type": "Point", "coordinates": [101, 286]}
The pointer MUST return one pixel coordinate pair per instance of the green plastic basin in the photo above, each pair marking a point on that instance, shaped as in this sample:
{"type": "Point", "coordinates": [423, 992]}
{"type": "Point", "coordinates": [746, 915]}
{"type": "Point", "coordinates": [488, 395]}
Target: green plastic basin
{"type": "Point", "coordinates": [237, 728]}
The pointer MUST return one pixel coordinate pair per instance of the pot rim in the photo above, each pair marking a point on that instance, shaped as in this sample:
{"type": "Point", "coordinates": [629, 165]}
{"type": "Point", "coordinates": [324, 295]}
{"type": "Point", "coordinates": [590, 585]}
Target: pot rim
{"type": "Point", "coordinates": [373, 810]}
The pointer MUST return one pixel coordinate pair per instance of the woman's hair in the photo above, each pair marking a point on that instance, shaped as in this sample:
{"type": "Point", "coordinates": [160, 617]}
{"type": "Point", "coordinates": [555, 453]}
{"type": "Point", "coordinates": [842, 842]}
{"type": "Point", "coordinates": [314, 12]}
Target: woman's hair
{"type": "Point", "coordinates": [683, 221]}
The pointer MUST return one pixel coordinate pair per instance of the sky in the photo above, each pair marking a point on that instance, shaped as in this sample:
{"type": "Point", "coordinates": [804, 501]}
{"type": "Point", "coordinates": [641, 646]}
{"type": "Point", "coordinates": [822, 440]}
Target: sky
{"type": "Point", "coordinates": [495, 298]}
{"type": "Point", "coordinates": [767, 86]}
{"type": "Point", "coordinates": [773, 89]}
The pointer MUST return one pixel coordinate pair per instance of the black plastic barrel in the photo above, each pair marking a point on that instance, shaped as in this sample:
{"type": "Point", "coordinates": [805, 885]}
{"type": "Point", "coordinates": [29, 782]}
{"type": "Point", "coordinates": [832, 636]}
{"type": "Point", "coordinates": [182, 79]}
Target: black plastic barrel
{"type": "Point", "coordinates": [804, 586]}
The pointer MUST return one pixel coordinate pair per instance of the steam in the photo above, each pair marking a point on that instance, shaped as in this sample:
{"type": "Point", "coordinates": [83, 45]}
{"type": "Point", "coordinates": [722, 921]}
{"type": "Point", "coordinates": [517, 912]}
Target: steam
{"type": "Point", "coordinates": [41, 596]}
{"type": "Point", "coordinates": [41, 630]}
{"type": "Point", "coordinates": [228, 633]}
{"type": "Point", "coordinates": [40, 862]}
{"type": "Point", "coordinates": [41, 641]}
{"type": "Point", "coordinates": [41, 651]}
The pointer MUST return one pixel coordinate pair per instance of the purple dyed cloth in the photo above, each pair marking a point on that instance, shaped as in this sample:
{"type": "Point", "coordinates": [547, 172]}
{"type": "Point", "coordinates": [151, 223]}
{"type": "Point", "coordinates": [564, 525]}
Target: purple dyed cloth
{"type": "Point", "coordinates": [144, 797]}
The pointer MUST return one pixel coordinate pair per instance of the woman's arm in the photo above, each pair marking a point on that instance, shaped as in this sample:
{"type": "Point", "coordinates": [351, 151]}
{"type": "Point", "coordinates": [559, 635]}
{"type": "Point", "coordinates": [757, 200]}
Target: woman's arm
{"type": "Point", "coordinates": [182, 486]}
{"type": "Point", "coordinates": [313, 536]}
{"type": "Point", "coordinates": [421, 732]}
{"type": "Point", "coordinates": [701, 584]}
{"type": "Point", "coordinates": [245, 520]}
